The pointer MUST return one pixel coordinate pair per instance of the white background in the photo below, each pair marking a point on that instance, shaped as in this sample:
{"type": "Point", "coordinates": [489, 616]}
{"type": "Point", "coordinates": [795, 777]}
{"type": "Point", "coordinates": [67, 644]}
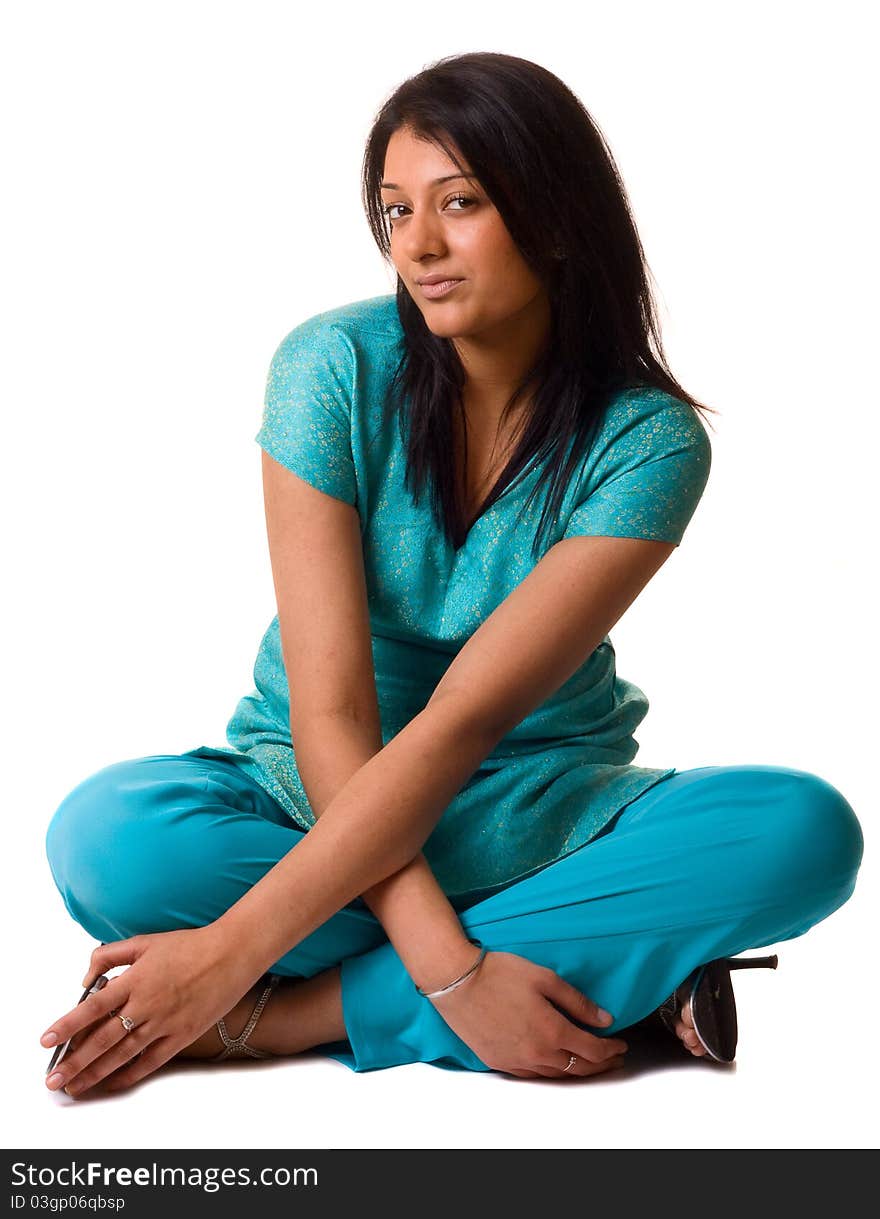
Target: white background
{"type": "Point", "coordinates": [183, 189]}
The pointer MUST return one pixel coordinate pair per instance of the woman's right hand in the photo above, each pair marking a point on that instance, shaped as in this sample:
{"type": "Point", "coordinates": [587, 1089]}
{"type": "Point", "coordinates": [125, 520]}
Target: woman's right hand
{"type": "Point", "coordinates": [505, 1012]}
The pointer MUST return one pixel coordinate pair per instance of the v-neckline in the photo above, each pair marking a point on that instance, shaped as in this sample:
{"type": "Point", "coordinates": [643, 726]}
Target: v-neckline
{"type": "Point", "coordinates": [456, 550]}
{"type": "Point", "coordinates": [488, 502]}
{"type": "Point", "coordinates": [486, 506]}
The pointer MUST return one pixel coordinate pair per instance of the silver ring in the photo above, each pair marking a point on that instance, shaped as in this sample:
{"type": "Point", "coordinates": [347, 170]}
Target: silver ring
{"type": "Point", "coordinates": [571, 1063]}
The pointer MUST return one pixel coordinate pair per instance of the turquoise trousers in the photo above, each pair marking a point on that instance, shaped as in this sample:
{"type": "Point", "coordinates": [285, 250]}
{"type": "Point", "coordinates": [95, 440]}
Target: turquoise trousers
{"type": "Point", "coordinates": [707, 863]}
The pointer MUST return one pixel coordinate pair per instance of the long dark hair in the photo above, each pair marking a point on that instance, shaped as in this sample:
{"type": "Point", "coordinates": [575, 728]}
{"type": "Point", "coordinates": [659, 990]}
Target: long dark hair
{"type": "Point", "coordinates": [546, 167]}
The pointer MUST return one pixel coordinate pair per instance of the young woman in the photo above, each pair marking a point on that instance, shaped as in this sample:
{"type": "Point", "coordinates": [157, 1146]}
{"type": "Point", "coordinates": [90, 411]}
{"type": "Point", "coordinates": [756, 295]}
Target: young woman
{"type": "Point", "coordinates": [425, 839]}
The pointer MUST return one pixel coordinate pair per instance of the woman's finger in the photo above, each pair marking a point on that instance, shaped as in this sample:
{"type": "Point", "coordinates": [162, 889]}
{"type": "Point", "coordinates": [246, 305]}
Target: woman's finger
{"type": "Point", "coordinates": [575, 1003]}
{"type": "Point", "coordinates": [102, 1038]}
{"type": "Point", "coordinates": [593, 1049]}
{"type": "Point", "coordinates": [159, 1052]}
{"type": "Point", "coordinates": [582, 1068]}
{"type": "Point", "coordinates": [584, 1064]}
{"type": "Point", "coordinates": [587, 1046]}
{"type": "Point", "coordinates": [94, 1008]}
{"type": "Point", "coordinates": [579, 1069]}
{"type": "Point", "coordinates": [108, 956]}
{"type": "Point", "coordinates": [575, 1006]}
{"type": "Point", "coordinates": [121, 1054]}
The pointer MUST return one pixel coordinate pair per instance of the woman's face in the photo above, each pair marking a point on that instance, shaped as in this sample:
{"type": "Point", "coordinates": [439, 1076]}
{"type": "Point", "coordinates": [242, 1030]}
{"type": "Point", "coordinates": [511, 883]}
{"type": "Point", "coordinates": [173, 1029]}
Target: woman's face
{"type": "Point", "coordinates": [451, 231]}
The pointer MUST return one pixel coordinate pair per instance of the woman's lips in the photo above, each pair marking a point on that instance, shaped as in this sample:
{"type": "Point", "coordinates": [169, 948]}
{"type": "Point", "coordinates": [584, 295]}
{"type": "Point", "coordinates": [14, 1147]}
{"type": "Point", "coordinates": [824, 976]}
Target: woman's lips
{"type": "Point", "coordinates": [433, 291]}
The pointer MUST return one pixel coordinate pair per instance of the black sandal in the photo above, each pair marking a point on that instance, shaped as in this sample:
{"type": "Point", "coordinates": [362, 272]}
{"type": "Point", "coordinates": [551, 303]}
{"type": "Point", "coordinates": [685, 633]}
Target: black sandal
{"type": "Point", "coordinates": [708, 995]}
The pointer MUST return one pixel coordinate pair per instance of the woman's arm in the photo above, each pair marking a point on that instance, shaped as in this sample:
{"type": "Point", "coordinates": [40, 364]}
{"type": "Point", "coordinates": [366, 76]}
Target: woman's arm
{"type": "Point", "coordinates": [316, 549]}
{"type": "Point", "coordinates": [524, 651]}
{"type": "Point", "coordinates": [414, 911]}
{"type": "Point", "coordinates": [374, 826]}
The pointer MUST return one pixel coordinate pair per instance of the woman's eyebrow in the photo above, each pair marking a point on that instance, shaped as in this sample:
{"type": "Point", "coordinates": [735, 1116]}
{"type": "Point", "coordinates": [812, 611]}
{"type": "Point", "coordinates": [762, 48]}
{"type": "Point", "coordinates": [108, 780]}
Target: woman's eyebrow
{"type": "Point", "coordinates": [436, 182]}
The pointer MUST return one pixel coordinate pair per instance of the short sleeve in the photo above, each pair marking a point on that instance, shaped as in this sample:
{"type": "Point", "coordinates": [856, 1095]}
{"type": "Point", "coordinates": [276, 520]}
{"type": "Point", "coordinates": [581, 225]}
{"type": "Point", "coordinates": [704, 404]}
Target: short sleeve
{"type": "Point", "coordinates": [650, 468]}
{"type": "Point", "coordinates": [306, 423]}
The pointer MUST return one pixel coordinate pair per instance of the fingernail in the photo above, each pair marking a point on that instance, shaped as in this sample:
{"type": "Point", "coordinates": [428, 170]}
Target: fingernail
{"type": "Point", "coordinates": [55, 1080]}
{"type": "Point", "coordinates": [49, 1038]}
{"type": "Point", "coordinates": [604, 1016]}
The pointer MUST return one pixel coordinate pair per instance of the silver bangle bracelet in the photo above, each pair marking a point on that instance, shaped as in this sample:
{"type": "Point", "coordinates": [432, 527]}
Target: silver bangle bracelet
{"type": "Point", "coordinates": [429, 994]}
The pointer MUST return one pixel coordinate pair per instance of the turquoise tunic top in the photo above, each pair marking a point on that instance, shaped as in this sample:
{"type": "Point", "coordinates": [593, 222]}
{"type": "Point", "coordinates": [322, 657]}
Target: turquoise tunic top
{"type": "Point", "coordinates": [560, 776]}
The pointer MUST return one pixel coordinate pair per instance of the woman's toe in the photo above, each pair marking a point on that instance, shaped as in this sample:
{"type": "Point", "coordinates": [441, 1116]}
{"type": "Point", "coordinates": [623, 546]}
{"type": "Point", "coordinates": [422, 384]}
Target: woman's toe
{"type": "Point", "coordinates": [687, 1035]}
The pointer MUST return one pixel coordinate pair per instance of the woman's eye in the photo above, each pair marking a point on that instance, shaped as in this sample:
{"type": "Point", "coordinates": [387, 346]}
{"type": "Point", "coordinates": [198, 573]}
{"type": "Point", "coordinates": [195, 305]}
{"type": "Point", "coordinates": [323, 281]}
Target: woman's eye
{"type": "Point", "coordinates": [465, 199]}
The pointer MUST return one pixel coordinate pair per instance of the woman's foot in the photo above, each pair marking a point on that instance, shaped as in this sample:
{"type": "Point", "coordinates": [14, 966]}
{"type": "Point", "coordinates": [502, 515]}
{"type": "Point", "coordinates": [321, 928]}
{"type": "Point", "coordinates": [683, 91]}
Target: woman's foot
{"type": "Point", "coordinates": [209, 1045]}
{"type": "Point", "coordinates": [684, 1027]}
{"type": "Point", "coordinates": [301, 1013]}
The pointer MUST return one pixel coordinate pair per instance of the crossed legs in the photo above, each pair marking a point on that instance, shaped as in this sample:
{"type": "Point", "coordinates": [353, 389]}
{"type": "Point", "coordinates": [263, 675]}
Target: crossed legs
{"type": "Point", "coordinates": [709, 862]}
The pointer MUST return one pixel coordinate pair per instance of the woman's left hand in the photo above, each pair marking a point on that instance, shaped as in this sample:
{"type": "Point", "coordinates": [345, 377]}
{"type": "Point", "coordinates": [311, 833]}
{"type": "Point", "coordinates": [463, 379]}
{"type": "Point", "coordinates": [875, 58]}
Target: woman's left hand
{"type": "Point", "coordinates": [178, 984]}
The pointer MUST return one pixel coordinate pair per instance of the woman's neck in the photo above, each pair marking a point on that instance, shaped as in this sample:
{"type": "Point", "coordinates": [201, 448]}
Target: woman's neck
{"type": "Point", "coordinates": [496, 361]}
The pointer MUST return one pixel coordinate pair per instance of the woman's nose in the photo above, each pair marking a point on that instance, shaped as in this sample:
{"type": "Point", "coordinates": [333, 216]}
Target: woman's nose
{"type": "Point", "coordinates": [423, 235]}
